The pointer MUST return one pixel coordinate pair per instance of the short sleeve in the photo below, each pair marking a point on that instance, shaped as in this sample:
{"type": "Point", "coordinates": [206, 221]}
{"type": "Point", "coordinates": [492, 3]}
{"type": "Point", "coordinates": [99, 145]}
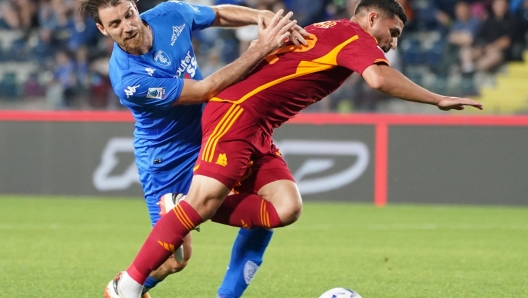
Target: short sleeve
{"type": "Point", "coordinates": [361, 53]}
{"type": "Point", "coordinates": [145, 91]}
{"type": "Point", "coordinates": [198, 16]}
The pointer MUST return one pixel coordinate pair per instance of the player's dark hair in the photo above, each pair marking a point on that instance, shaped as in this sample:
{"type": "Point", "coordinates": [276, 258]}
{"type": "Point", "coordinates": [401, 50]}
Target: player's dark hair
{"type": "Point", "coordinates": [91, 7]}
{"type": "Point", "coordinates": [389, 7]}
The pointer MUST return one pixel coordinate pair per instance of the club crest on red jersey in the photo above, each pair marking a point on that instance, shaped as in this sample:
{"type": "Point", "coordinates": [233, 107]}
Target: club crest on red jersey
{"type": "Point", "coordinates": [325, 25]}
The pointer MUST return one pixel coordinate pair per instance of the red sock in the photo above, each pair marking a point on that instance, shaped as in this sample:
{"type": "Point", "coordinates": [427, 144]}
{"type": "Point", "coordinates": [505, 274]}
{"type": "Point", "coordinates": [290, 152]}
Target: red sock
{"type": "Point", "coordinates": [166, 236]}
{"type": "Point", "coordinates": [247, 211]}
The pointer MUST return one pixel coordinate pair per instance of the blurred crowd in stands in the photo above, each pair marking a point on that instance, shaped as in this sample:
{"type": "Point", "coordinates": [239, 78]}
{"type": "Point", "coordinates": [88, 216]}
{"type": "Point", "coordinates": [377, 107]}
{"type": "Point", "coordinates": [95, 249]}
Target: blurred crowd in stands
{"type": "Point", "coordinates": [53, 58]}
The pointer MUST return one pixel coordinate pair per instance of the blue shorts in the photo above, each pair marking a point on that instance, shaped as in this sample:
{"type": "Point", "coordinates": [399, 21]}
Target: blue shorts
{"type": "Point", "coordinates": [160, 183]}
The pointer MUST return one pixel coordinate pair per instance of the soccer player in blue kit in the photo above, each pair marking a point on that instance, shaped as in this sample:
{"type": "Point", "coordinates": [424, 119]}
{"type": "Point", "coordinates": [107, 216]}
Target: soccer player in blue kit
{"type": "Point", "coordinates": [154, 72]}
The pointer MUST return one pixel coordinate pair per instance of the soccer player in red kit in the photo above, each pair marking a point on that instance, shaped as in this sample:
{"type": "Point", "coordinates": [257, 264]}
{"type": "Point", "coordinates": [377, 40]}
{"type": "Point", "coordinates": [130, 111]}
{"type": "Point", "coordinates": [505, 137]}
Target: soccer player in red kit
{"type": "Point", "coordinates": [237, 151]}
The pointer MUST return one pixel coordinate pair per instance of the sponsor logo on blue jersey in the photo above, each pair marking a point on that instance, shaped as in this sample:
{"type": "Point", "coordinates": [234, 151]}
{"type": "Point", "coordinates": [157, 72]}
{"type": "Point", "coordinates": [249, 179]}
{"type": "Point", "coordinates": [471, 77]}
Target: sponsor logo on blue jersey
{"type": "Point", "coordinates": [162, 58]}
{"type": "Point", "coordinates": [176, 31]}
{"type": "Point", "coordinates": [150, 71]}
{"type": "Point", "coordinates": [188, 67]}
{"type": "Point", "coordinates": [130, 90]}
{"type": "Point", "coordinates": [158, 93]}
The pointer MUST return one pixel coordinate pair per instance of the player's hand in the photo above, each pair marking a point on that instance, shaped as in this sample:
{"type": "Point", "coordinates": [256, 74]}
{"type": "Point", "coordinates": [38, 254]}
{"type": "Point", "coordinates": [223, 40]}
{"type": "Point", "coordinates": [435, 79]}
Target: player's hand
{"type": "Point", "coordinates": [273, 36]}
{"type": "Point", "coordinates": [298, 33]}
{"type": "Point", "coordinates": [457, 103]}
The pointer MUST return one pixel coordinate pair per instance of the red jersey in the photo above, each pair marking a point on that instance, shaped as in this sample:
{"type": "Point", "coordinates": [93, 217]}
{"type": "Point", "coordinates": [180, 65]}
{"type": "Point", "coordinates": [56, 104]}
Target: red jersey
{"type": "Point", "coordinates": [293, 78]}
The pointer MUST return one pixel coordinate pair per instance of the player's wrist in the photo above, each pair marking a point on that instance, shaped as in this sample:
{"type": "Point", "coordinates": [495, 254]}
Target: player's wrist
{"type": "Point", "coordinates": [258, 49]}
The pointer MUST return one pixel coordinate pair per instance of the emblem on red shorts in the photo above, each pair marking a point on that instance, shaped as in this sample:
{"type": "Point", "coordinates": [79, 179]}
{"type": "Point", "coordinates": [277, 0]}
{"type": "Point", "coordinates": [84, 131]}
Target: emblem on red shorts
{"type": "Point", "coordinates": [222, 160]}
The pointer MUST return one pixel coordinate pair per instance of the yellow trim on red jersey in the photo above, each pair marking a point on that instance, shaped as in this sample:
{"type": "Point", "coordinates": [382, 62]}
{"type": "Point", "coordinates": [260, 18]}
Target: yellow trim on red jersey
{"type": "Point", "coordinates": [220, 130]}
{"type": "Point", "coordinates": [305, 67]}
{"type": "Point", "coordinates": [381, 60]}
{"type": "Point", "coordinates": [331, 58]}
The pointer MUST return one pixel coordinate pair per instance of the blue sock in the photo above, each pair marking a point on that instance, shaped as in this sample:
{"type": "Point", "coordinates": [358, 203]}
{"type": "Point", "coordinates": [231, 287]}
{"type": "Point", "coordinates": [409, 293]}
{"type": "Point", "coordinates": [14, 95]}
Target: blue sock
{"type": "Point", "coordinates": [149, 284]}
{"type": "Point", "coordinates": [246, 257]}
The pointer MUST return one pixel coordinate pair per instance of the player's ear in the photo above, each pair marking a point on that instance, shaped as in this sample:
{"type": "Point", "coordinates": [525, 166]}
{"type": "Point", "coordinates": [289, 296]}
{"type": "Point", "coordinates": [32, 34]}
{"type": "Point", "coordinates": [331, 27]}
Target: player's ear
{"type": "Point", "coordinates": [101, 29]}
{"type": "Point", "coordinates": [372, 16]}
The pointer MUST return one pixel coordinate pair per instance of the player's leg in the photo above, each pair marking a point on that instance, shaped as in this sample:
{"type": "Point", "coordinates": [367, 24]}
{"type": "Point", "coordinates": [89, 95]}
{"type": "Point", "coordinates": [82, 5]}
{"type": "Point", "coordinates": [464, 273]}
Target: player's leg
{"type": "Point", "coordinates": [246, 258]}
{"type": "Point", "coordinates": [251, 244]}
{"type": "Point", "coordinates": [285, 197]}
{"type": "Point", "coordinates": [204, 197]}
{"type": "Point", "coordinates": [277, 201]}
{"type": "Point", "coordinates": [170, 266]}
{"type": "Point", "coordinates": [158, 185]}
{"type": "Point", "coordinates": [155, 211]}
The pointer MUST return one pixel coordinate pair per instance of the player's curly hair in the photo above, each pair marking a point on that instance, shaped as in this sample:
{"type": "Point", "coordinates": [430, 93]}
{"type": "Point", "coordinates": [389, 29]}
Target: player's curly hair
{"type": "Point", "coordinates": [91, 7]}
{"type": "Point", "coordinates": [390, 7]}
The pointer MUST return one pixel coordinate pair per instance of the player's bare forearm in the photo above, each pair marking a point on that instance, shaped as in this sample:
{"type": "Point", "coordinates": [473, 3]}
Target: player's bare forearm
{"type": "Point", "coordinates": [233, 72]}
{"type": "Point", "coordinates": [394, 83]}
{"type": "Point", "coordinates": [236, 16]}
{"type": "Point", "coordinates": [390, 81]}
{"type": "Point", "coordinates": [270, 39]}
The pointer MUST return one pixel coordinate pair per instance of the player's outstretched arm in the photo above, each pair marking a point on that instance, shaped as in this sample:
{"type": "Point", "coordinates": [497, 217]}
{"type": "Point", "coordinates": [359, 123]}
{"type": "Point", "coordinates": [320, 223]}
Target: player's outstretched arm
{"type": "Point", "coordinates": [270, 38]}
{"type": "Point", "coordinates": [392, 82]}
{"type": "Point", "coordinates": [236, 16]}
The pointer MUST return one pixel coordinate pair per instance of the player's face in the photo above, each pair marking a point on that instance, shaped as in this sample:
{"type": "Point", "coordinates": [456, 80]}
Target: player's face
{"type": "Point", "coordinates": [123, 24]}
{"type": "Point", "coordinates": [386, 31]}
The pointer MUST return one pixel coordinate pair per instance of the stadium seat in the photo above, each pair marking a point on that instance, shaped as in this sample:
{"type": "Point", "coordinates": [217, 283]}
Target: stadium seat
{"type": "Point", "coordinates": [9, 88]}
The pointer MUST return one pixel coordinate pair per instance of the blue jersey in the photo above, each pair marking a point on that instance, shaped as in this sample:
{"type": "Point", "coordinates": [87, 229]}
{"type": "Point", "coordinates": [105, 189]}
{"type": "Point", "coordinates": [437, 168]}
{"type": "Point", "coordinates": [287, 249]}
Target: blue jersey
{"type": "Point", "coordinates": [166, 137]}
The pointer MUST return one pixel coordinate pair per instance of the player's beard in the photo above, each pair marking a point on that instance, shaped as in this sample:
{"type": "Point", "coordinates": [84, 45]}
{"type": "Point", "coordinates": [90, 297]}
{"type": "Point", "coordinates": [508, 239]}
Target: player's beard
{"type": "Point", "coordinates": [135, 44]}
{"type": "Point", "coordinates": [385, 49]}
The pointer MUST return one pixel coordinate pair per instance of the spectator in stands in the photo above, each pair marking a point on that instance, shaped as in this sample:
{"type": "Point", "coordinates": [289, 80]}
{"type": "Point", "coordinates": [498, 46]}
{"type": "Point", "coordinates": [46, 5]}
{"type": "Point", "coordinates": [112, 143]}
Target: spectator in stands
{"type": "Point", "coordinates": [496, 41]}
{"type": "Point", "coordinates": [410, 26]}
{"type": "Point", "coordinates": [521, 11]}
{"type": "Point", "coordinates": [54, 30]}
{"type": "Point", "coordinates": [462, 31]}
{"type": "Point", "coordinates": [18, 14]}
{"type": "Point", "coordinates": [32, 87]}
{"type": "Point", "coordinates": [83, 32]}
{"type": "Point", "coordinates": [461, 35]}
{"type": "Point", "coordinates": [63, 88]}
{"type": "Point", "coordinates": [306, 13]}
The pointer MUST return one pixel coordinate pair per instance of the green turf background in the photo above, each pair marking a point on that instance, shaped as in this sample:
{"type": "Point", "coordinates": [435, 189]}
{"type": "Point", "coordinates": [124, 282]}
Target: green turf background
{"type": "Point", "coordinates": [53, 247]}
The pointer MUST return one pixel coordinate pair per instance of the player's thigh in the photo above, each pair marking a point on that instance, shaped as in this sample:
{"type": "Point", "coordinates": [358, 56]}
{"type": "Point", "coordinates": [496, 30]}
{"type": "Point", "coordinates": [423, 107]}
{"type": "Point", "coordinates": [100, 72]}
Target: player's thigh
{"type": "Point", "coordinates": [229, 137]}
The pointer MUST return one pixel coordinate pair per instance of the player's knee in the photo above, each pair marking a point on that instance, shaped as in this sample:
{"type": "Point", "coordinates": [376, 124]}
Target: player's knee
{"type": "Point", "coordinates": [290, 210]}
{"type": "Point", "coordinates": [206, 195]}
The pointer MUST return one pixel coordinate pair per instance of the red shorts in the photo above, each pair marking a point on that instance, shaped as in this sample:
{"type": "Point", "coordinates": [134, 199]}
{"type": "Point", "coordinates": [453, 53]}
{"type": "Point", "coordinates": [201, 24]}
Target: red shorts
{"type": "Point", "coordinates": [236, 151]}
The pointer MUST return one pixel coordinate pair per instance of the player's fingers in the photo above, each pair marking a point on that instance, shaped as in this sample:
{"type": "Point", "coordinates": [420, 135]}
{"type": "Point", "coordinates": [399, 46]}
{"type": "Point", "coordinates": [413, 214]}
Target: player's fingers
{"type": "Point", "coordinates": [276, 17]}
{"type": "Point", "coordinates": [287, 27]}
{"type": "Point", "coordinates": [302, 31]}
{"type": "Point", "coordinates": [294, 40]}
{"type": "Point", "coordinates": [471, 102]}
{"type": "Point", "coordinates": [298, 38]}
{"type": "Point", "coordinates": [284, 37]}
{"type": "Point", "coordinates": [260, 23]}
{"type": "Point", "coordinates": [285, 21]}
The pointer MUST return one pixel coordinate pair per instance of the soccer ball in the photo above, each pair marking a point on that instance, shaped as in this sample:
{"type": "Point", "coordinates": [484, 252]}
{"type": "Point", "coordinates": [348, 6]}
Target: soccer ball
{"type": "Point", "coordinates": [340, 293]}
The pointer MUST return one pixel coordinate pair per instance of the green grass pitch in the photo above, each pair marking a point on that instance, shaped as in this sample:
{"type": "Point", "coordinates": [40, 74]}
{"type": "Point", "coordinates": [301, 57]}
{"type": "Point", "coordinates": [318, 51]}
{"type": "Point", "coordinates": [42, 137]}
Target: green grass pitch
{"type": "Point", "coordinates": [71, 247]}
